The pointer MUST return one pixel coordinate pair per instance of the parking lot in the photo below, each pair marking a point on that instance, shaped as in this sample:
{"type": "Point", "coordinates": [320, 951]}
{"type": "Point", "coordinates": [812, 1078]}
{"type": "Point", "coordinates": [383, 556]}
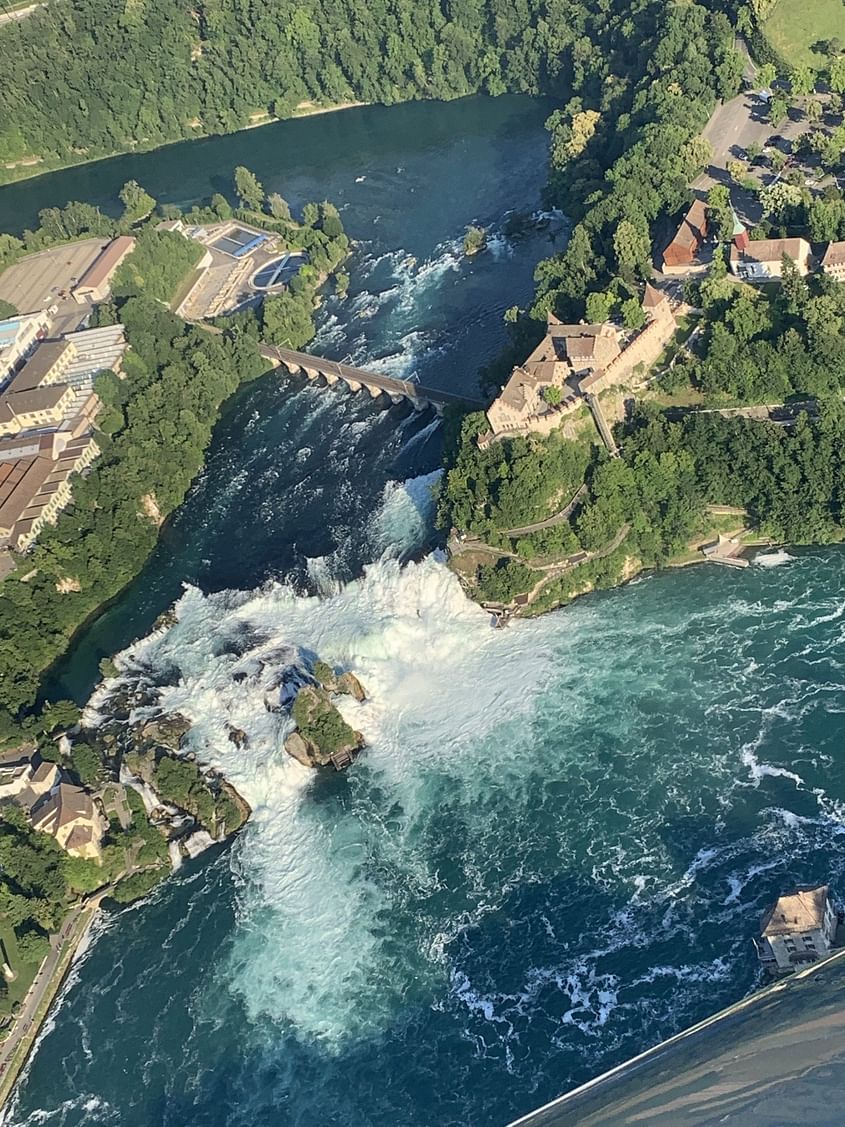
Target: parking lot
{"type": "Point", "coordinates": [44, 279]}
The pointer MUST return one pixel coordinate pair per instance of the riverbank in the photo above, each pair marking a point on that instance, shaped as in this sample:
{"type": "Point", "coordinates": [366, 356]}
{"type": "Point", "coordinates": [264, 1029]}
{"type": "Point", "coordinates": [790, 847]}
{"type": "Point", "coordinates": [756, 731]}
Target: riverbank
{"type": "Point", "coordinates": [16, 1048]}
{"type": "Point", "coordinates": [32, 166]}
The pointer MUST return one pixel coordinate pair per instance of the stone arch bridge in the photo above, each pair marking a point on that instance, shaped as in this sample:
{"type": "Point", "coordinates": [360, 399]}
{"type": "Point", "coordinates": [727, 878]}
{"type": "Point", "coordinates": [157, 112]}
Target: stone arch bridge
{"type": "Point", "coordinates": [315, 367]}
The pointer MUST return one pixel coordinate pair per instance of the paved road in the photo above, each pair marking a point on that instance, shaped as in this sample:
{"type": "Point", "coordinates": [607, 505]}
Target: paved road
{"type": "Point", "coordinates": [46, 983]}
{"type": "Point", "coordinates": [20, 14]}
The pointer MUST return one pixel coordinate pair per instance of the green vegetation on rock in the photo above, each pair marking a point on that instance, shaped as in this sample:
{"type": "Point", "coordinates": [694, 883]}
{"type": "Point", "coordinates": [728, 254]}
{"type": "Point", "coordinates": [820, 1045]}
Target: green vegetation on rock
{"type": "Point", "coordinates": [319, 721]}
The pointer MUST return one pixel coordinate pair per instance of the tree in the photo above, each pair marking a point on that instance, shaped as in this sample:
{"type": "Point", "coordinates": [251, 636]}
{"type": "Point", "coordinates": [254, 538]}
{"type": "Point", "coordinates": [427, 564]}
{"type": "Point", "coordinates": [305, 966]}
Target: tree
{"type": "Point", "coordinates": [766, 74]}
{"type": "Point", "coordinates": [814, 109]}
{"type": "Point", "coordinates": [802, 80]}
{"type": "Point", "coordinates": [778, 108]}
{"type": "Point", "coordinates": [248, 189]}
{"type": "Point", "coordinates": [631, 245]}
{"type": "Point", "coordinates": [221, 206]}
{"type": "Point", "coordinates": [278, 206]}
{"type": "Point", "coordinates": [598, 307]}
{"type": "Point", "coordinates": [552, 395]}
{"type": "Point", "coordinates": [633, 315]}
{"type": "Point", "coordinates": [737, 170]}
{"type": "Point", "coordinates": [836, 75]}
{"type": "Point", "coordinates": [719, 214]}
{"type": "Point", "coordinates": [137, 203]}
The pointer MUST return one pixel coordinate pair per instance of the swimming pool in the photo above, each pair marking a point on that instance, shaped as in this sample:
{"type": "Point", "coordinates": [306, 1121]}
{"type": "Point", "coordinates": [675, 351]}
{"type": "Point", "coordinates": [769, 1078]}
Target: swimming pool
{"type": "Point", "coordinates": [279, 271]}
{"type": "Point", "coordinates": [238, 241]}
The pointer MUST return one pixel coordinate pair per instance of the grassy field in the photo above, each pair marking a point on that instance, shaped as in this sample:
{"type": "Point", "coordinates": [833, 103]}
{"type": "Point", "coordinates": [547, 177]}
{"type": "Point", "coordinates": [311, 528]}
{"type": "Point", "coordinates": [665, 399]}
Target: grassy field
{"type": "Point", "coordinates": [793, 28]}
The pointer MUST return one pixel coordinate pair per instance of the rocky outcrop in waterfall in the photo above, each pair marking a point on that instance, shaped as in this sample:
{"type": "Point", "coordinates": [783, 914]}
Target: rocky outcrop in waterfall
{"type": "Point", "coordinates": [322, 737]}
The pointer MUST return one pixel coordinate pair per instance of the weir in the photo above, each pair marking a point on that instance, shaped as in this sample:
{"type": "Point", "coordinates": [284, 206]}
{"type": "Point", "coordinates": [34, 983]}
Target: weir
{"type": "Point", "coordinates": [314, 367]}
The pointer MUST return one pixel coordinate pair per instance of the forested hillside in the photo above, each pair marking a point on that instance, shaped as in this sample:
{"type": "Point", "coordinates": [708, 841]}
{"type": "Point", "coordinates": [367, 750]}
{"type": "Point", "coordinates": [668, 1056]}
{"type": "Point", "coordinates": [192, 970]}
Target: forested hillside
{"type": "Point", "coordinates": [87, 77]}
{"type": "Point", "coordinates": [83, 78]}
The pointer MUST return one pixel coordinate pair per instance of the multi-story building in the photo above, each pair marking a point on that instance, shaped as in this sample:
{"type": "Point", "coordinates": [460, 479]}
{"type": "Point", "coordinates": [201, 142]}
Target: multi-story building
{"type": "Point", "coordinates": [833, 262]}
{"type": "Point", "coordinates": [573, 361]}
{"type": "Point", "coordinates": [760, 260]}
{"type": "Point", "coordinates": [70, 815]}
{"type": "Point", "coordinates": [687, 241]}
{"type": "Point", "coordinates": [18, 337]}
{"type": "Point", "coordinates": [799, 928]}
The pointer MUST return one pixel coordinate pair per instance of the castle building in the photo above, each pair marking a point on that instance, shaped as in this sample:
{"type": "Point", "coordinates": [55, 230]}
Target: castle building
{"type": "Point", "coordinates": [572, 361]}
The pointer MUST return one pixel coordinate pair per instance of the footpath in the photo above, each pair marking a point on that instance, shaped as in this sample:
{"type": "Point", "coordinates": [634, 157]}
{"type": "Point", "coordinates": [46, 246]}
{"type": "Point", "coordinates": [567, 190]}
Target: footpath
{"type": "Point", "coordinates": [15, 1050]}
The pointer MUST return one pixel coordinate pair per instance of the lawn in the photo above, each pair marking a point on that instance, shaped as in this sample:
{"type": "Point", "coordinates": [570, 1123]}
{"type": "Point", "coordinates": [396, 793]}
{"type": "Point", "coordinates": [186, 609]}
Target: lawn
{"type": "Point", "coordinates": [793, 28]}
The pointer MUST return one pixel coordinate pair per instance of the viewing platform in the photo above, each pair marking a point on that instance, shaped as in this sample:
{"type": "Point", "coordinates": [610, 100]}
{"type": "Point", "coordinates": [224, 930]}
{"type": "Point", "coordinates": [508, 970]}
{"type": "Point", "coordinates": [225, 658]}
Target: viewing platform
{"type": "Point", "coordinates": [332, 371]}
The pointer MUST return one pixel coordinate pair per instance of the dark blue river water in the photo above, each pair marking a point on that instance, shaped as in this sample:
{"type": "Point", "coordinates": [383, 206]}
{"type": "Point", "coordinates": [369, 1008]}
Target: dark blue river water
{"type": "Point", "coordinates": [557, 846]}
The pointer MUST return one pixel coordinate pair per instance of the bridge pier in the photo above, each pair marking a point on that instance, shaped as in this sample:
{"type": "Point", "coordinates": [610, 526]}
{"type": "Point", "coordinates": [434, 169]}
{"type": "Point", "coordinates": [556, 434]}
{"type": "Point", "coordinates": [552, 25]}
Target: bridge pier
{"type": "Point", "coordinates": [313, 367]}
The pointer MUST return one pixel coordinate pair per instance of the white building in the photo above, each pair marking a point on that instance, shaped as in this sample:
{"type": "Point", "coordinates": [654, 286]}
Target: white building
{"type": "Point", "coordinates": [833, 262]}
{"type": "Point", "coordinates": [799, 928]}
{"type": "Point", "coordinates": [18, 336]}
{"type": "Point", "coordinates": [760, 260]}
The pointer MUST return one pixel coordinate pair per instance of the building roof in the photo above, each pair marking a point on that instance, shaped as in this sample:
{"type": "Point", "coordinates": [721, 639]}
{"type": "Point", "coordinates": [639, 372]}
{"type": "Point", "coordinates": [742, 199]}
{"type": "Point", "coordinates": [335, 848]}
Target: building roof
{"type": "Point", "coordinates": [79, 837]}
{"type": "Point", "coordinates": [40, 364]}
{"type": "Point", "coordinates": [38, 399]}
{"type": "Point", "coordinates": [691, 226]}
{"type": "Point", "coordinates": [738, 227]}
{"type": "Point", "coordinates": [96, 350]}
{"type": "Point", "coordinates": [20, 481]}
{"type": "Point", "coordinates": [834, 255]}
{"type": "Point", "coordinates": [652, 297]}
{"type": "Point", "coordinates": [65, 805]}
{"type": "Point", "coordinates": [19, 755]}
{"type": "Point", "coordinates": [772, 250]}
{"type": "Point", "coordinates": [801, 910]}
{"type": "Point", "coordinates": [104, 266]}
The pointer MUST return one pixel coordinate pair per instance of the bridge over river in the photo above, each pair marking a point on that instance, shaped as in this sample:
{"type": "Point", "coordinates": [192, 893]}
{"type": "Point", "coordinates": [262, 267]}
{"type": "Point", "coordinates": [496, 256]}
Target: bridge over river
{"type": "Point", "coordinates": [332, 371]}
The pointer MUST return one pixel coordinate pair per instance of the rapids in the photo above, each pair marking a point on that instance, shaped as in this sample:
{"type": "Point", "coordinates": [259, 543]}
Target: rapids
{"type": "Point", "coordinates": [557, 846]}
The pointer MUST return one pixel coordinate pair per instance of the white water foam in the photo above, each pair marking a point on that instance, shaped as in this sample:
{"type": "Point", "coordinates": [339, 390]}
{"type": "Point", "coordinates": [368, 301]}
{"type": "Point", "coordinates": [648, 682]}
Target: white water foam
{"type": "Point", "coordinates": [401, 525]}
{"type": "Point", "coordinates": [773, 559]}
{"type": "Point", "coordinates": [416, 643]}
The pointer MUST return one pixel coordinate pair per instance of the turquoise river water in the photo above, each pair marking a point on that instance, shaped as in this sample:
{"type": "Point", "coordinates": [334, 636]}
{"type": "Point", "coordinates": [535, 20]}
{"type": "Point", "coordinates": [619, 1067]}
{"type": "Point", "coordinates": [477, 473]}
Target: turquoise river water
{"type": "Point", "coordinates": [555, 850]}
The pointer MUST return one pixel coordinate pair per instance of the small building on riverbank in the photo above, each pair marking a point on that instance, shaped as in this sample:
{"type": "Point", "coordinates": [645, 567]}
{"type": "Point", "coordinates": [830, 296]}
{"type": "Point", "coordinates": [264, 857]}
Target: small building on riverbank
{"type": "Point", "coordinates": [799, 928]}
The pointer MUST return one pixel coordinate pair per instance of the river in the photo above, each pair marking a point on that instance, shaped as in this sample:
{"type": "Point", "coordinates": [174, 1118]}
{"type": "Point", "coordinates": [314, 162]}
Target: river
{"type": "Point", "coordinates": [555, 850]}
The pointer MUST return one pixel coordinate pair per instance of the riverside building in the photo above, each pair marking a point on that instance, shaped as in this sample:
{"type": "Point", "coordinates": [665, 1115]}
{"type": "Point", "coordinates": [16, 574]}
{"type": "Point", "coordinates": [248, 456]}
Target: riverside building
{"type": "Point", "coordinates": [799, 928]}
